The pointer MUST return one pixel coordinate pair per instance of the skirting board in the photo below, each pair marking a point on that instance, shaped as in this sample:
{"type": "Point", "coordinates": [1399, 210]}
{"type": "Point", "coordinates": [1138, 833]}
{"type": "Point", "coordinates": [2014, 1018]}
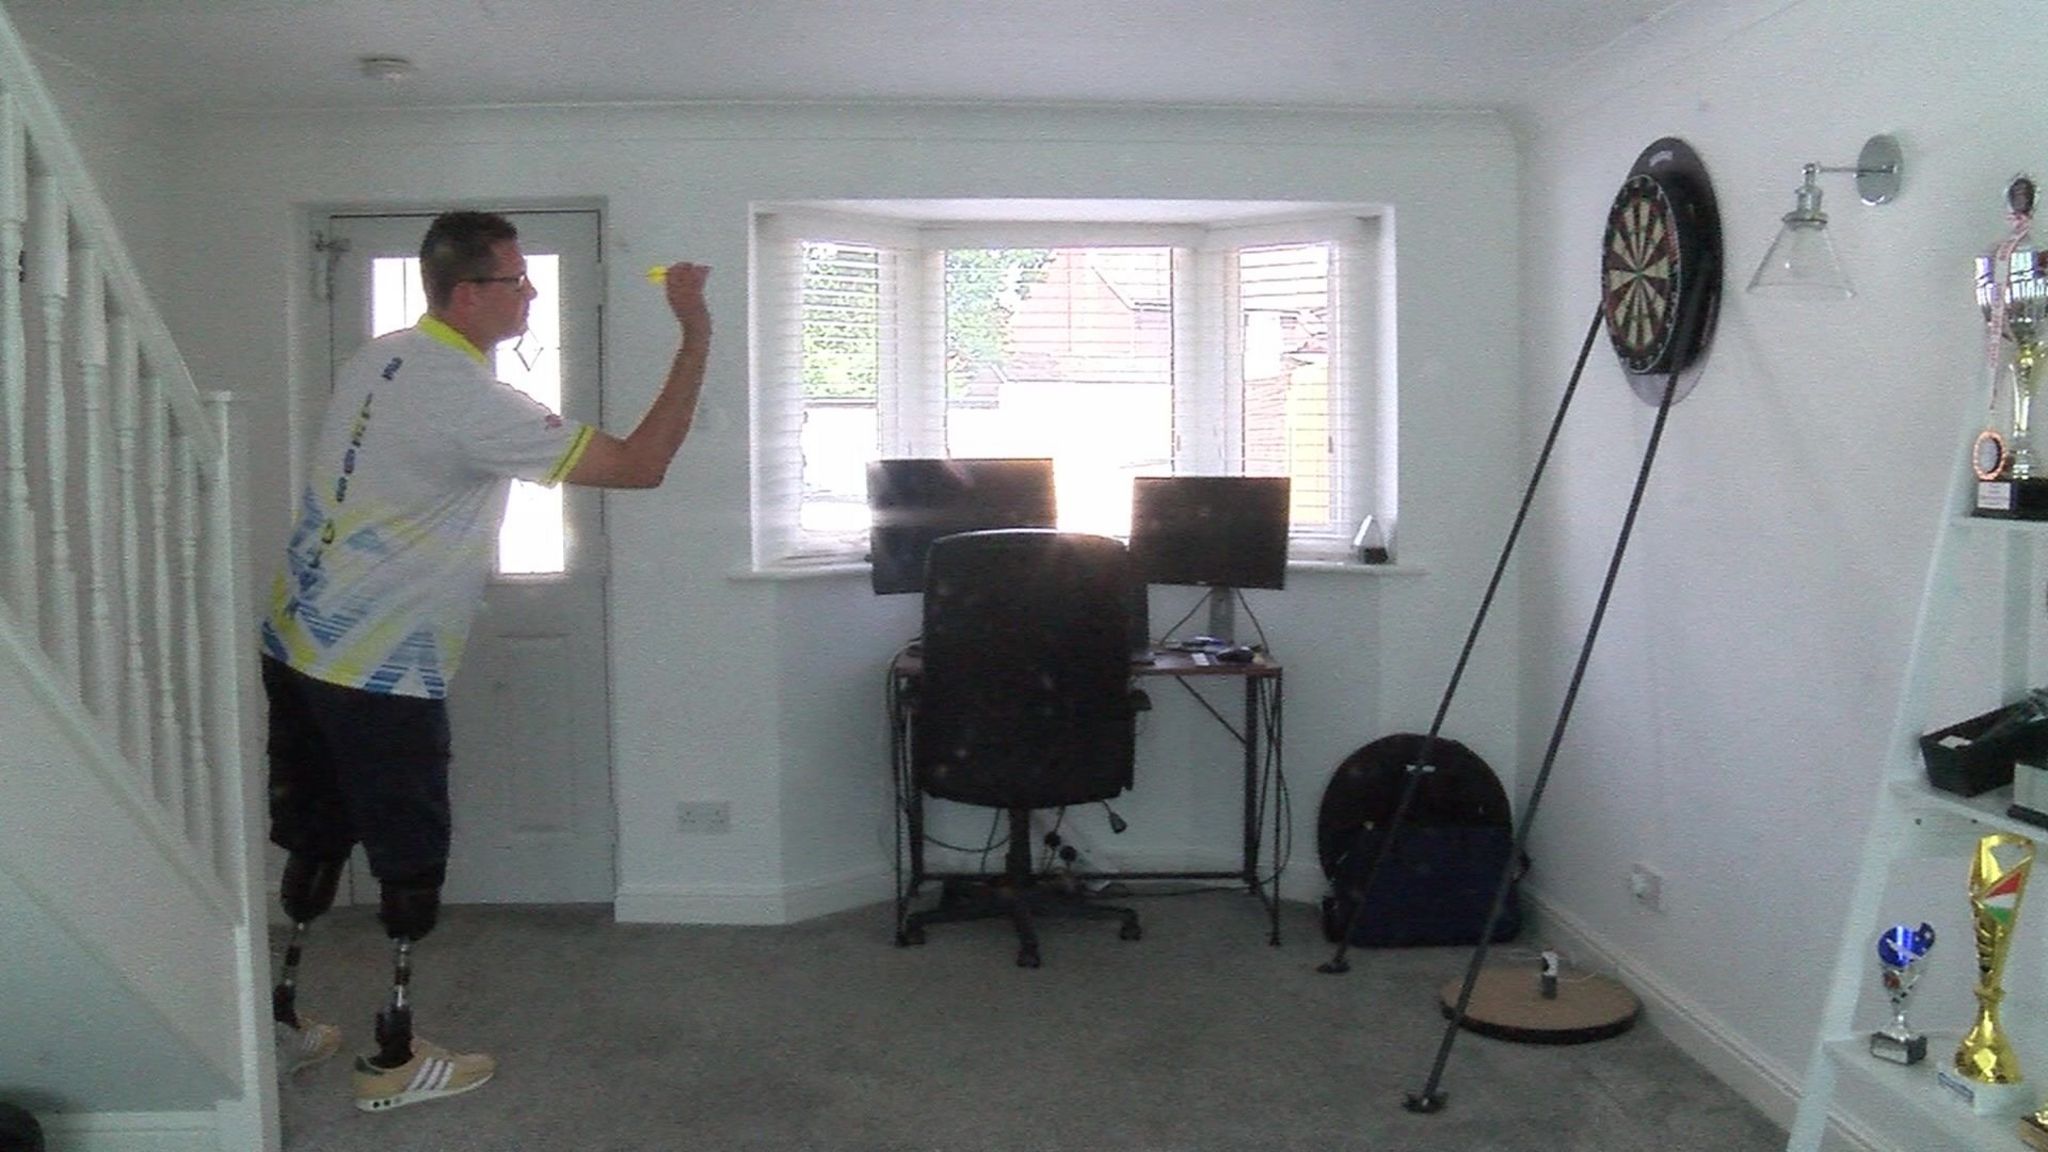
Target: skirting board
{"type": "Point", "coordinates": [1697, 1032]}
{"type": "Point", "coordinates": [750, 903]}
{"type": "Point", "coordinates": [769, 904]}
{"type": "Point", "coordinates": [133, 1132]}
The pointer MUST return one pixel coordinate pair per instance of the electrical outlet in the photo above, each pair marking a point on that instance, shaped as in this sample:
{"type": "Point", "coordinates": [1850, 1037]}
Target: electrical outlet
{"type": "Point", "coordinates": [1646, 886]}
{"type": "Point", "coordinates": [704, 817]}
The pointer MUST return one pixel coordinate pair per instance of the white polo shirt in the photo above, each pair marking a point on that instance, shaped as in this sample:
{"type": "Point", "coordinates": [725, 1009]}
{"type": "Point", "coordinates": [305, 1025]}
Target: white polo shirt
{"type": "Point", "coordinates": [399, 516]}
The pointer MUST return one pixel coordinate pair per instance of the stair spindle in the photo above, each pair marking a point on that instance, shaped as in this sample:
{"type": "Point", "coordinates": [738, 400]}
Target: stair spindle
{"type": "Point", "coordinates": [199, 806]}
{"type": "Point", "coordinates": [98, 671]}
{"type": "Point", "coordinates": [19, 520]}
{"type": "Point", "coordinates": [132, 699]}
{"type": "Point", "coordinates": [52, 252]}
{"type": "Point", "coordinates": [168, 771]}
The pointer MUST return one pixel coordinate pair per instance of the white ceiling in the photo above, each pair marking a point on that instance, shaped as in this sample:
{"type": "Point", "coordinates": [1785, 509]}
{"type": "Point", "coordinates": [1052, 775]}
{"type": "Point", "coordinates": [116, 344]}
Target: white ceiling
{"type": "Point", "coordinates": [217, 54]}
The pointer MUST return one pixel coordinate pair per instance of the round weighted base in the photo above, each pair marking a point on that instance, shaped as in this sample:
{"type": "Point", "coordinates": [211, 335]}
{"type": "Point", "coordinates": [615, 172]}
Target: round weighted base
{"type": "Point", "coordinates": [1508, 1004]}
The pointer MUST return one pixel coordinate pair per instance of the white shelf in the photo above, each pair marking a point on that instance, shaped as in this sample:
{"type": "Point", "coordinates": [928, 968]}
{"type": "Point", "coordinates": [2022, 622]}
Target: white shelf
{"type": "Point", "coordinates": [1919, 798]}
{"type": "Point", "coordinates": [1914, 824]}
{"type": "Point", "coordinates": [1997, 523]}
{"type": "Point", "coordinates": [1921, 1099]}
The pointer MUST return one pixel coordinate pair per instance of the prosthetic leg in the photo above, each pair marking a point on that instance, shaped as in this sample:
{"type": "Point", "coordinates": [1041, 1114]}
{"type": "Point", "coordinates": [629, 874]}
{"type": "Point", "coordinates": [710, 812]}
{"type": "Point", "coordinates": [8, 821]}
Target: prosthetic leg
{"type": "Point", "coordinates": [409, 910]}
{"type": "Point", "coordinates": [405, 1069]}
{"type": "Point", "coordinates": [308, 891]}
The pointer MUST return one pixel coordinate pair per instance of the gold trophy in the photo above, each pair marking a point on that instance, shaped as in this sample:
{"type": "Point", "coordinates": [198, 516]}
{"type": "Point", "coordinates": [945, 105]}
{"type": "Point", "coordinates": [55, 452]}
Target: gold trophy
{"type": "Point", "coordinates": [1985, 1070]}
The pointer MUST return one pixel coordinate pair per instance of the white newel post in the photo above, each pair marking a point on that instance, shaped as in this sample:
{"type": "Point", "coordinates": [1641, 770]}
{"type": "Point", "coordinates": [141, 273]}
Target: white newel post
{"type": "Point", "coordinates": [225, 658]}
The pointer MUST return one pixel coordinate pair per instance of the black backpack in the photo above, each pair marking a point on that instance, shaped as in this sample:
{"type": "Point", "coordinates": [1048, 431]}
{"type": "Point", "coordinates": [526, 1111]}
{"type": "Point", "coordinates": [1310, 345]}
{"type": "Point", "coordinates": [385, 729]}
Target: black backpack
{"type": "Point", "coordinates": [1436, 885]}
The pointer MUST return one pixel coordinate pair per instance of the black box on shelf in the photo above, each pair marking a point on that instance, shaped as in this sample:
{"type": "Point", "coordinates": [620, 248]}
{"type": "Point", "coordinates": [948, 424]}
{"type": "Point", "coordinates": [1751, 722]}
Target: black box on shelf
{"type": "Point", "coordinates": [1976, 755]}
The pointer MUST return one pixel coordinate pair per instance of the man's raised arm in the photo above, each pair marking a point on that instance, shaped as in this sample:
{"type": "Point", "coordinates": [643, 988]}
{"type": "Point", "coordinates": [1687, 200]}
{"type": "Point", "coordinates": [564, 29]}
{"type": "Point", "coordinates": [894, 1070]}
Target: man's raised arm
{"type": "Point", "coordinates": [641, 459]}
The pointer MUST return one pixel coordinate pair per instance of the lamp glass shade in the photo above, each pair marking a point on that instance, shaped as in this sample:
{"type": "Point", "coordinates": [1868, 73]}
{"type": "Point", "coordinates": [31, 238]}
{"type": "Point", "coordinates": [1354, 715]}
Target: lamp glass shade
{"type": "Point", "coordinates": [1802, 264]}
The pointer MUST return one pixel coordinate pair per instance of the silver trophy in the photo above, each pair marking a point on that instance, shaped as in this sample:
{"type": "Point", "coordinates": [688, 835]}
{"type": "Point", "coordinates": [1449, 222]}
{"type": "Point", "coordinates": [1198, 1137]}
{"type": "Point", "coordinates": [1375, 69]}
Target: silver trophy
{"type": "Point", "coordinates": [2012, 293]}
{"type": "Point", "coordinates": [1900, 952]}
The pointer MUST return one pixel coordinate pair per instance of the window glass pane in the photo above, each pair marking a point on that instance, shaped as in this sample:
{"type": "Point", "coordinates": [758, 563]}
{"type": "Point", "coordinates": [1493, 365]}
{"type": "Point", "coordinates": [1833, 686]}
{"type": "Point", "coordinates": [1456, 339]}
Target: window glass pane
{"type": "Point", "coordinates": [842, 351]}
{"type": "Point", "coordinates": [1067, 353]}
{"type": "Point", "coordinates": [1289, 413]}
{"type": "Point", "coordinates": [533, 538]}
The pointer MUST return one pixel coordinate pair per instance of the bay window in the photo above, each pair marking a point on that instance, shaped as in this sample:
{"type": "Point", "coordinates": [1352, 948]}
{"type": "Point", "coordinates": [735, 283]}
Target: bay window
{"type": "Point", "coordinates": [1118, 348]}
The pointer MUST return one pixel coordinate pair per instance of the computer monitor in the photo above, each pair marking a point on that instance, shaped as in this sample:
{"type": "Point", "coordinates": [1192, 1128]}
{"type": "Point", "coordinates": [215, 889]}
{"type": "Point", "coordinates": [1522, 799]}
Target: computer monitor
{"type": "Point", "coordinates": [1213, 531]}
{"type": "Point", "coordinates": [916, 501]}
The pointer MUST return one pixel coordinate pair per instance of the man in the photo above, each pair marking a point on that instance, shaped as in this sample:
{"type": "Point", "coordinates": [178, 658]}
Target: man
{"type": "Point", "coordinates": [405, 491]}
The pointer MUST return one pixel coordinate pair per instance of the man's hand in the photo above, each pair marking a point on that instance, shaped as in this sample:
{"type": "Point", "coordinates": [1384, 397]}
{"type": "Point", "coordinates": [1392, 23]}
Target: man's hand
{"type": "Point", "coordinates": [684, 284]}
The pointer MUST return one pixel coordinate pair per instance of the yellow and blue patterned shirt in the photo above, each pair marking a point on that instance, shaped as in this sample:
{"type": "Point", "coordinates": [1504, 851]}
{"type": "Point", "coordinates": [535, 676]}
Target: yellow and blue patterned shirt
{"type": "Point", "coordinates": [404, 494]}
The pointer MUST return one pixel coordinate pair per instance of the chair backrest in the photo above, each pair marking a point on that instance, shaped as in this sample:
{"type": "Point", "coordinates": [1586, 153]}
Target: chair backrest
{"type": "Point", "coordinates": [1026, 696]}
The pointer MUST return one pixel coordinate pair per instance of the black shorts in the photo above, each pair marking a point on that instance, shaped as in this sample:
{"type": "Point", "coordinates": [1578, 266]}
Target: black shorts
{"type": "Point", "coordinates": [349, 766]}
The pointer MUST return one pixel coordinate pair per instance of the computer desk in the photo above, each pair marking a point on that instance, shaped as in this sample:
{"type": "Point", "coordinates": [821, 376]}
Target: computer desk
{"type": "Point", "coordinates": [1260, 739]}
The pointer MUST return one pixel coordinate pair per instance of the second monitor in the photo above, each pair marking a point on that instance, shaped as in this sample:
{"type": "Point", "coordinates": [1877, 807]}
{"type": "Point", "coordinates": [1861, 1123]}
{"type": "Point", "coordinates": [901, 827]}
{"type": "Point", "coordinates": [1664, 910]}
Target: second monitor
{"type": "Point", "coordinates": [1213, 531]}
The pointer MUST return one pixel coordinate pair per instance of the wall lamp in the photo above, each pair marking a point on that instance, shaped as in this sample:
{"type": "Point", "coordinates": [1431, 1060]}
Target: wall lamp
{"type": "Point", "coordinates": [1801, 262]}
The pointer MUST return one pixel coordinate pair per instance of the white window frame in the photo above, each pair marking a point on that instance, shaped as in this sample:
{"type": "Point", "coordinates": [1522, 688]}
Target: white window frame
{"type": "Point", "coordinates": [911, 405]}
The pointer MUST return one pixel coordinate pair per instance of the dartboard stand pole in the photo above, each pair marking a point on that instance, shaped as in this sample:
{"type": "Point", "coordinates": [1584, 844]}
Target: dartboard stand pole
{"type": "Point", "coordinates": [1430, 1098]}
{"type": "Point", "coordinates": [1337, 964]}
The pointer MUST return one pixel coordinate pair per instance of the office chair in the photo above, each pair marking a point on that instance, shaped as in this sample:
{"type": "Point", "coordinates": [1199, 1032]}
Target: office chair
{"type": "Point", "coordinates": [1025, 703]}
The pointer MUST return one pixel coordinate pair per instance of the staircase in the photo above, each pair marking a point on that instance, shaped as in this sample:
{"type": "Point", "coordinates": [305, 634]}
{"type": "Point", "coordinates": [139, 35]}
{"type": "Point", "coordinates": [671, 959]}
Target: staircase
{"type": "Point", "coordinates": [133, 961]}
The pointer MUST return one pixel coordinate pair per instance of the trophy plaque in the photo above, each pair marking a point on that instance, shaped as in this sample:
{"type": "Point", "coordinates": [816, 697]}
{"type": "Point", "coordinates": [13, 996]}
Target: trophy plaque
{"type": "Point", "coordinates": [1900, 951]}
{"type": "Point", "coordinates": [1985, 1071]}
{"type": "Point", "coordinates": [2012, 292]}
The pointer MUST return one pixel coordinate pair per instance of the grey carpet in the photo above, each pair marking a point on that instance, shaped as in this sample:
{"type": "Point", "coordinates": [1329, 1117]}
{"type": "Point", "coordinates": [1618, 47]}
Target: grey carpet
{"type": "Point", "coordinates": [824, 1035]}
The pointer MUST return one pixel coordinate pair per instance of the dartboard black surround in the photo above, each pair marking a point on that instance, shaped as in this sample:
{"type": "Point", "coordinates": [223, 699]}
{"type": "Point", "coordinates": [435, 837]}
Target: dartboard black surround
{"type": "Point", "coordinates": [1660, 262]}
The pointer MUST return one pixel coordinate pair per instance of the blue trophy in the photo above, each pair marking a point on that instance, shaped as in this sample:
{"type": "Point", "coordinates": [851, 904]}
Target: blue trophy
{"type": "Point", "coordinates": [1900, 951]}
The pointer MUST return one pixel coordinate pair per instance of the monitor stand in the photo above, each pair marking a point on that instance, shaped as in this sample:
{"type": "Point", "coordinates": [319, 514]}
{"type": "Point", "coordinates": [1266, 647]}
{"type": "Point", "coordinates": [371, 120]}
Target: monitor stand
{"type": "Point", "coordinates": [1223, 614]}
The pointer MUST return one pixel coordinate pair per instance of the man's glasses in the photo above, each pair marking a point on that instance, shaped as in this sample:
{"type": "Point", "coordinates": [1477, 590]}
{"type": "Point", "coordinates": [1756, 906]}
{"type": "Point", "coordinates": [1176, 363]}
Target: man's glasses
{"type": "Point", "coordinates": [519, 281]}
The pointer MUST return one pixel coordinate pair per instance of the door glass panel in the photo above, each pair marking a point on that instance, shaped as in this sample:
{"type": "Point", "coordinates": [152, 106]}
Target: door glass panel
{"type": "Point", "coordinates": [533, 540]}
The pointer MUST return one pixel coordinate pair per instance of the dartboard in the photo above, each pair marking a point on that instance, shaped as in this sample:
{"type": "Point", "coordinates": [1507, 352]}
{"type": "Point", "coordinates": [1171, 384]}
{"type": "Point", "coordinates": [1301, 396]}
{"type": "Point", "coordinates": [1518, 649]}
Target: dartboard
{"type": "Point", "coordinates": [1660, 262]}
{"type": "Point", "coordinates": [1640, 273]}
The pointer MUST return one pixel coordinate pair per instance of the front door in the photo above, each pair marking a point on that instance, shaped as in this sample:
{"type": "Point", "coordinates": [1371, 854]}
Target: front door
{"type": "Point", "coordinates": [531, 782]}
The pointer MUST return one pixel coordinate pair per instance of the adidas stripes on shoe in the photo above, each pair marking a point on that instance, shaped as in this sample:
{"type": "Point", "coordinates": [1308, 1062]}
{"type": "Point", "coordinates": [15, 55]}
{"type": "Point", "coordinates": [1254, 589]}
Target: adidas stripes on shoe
{"type": "Point", "coordinates": [431, 1074]}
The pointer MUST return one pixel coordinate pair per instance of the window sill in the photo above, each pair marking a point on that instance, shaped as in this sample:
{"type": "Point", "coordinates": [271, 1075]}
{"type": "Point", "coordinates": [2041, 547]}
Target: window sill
{"type": "Point", "coordinates": [787, 573]}
{"type": "Point", "coordinates": [835, 569]}
{"type": "Point", "coordinates": [1354, 568]}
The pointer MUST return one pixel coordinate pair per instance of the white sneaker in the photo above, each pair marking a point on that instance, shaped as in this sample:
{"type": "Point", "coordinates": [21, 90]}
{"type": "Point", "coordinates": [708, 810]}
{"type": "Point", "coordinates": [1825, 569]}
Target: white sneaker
{"type": "Point", "coordinates": [300, 1048]}
{"type": "Point", "coordinates": [431, 1074]}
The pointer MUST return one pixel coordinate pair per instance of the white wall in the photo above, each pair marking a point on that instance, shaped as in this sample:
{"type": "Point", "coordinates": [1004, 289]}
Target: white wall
{"type": "Point", "coordinates": [1732, 726]}
{"type": "Point", "coordinates": [768, 694]}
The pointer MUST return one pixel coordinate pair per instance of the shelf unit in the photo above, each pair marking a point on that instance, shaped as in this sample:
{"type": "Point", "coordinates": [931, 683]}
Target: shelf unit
{"type": "Point", "coordinates": [1913, 821]}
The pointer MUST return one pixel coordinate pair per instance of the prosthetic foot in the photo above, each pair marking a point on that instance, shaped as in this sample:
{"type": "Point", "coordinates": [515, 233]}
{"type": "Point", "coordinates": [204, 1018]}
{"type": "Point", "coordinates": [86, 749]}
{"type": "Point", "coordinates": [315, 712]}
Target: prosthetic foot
{"type": "Point", "coordinates": [308, 891]}
{"type": "Point", "coordinates": [405, 1069]}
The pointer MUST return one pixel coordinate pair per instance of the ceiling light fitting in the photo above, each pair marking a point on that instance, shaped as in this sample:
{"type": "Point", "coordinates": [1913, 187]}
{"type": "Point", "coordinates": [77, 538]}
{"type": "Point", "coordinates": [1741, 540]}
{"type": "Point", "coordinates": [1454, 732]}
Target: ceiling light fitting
{"type": "Point", "coordinates": [388, 68]}
{"type": "Point", "coordinates": [1801, 262]}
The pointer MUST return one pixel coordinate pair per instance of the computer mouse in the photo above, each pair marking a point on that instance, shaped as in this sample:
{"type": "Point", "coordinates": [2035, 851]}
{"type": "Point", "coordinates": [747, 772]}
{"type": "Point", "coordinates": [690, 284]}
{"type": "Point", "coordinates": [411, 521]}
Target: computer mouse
{"type": "Point", "coordinates": [1236, 654]}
